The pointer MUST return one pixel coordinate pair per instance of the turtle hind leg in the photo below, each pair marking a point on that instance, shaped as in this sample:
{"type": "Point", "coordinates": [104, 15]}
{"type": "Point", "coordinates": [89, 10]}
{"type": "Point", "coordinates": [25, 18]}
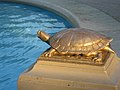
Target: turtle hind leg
{"type": "Point", "coordinates": [50, 52]}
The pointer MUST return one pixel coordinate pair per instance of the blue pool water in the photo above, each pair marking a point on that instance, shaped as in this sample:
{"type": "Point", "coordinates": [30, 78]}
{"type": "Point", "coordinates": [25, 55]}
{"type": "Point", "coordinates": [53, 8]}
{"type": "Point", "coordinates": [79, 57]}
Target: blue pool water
{"type": "Point", "coordinates": [19, 45]}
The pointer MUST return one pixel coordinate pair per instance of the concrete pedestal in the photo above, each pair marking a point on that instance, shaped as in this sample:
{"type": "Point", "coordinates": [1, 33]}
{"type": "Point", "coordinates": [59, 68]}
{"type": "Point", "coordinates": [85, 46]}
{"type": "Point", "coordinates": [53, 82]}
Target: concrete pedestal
{"type": "Point", "coordinates": [51, 75]}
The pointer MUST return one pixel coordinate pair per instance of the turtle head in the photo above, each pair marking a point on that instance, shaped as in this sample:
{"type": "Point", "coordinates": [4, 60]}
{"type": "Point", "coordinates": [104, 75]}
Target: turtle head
{"type": "Point", "coordinates": [43, 36]}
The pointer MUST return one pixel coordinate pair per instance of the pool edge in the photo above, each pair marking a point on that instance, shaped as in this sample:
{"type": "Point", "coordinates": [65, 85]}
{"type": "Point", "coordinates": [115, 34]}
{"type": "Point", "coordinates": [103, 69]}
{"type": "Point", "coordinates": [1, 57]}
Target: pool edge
{"type": "Point", "coordinates": [66, 14]}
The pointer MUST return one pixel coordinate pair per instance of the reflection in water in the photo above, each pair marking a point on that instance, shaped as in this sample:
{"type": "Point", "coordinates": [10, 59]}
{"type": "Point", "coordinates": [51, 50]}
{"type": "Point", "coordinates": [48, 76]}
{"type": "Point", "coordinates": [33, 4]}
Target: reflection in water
{"type": "Point", "coordinates": [19, 45]}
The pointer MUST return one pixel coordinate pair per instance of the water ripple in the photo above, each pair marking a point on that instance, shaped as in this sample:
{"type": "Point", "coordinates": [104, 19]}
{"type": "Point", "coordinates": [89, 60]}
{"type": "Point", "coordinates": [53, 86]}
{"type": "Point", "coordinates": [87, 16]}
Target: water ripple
{"type": "Point", "coordinates": [19, 45]}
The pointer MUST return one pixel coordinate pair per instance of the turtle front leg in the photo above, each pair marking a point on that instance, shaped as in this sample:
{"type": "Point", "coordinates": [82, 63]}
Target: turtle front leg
{"type": "Point", "coordinates": [98, 58]}
{"type": "Point", "coordinates": [50, 52]}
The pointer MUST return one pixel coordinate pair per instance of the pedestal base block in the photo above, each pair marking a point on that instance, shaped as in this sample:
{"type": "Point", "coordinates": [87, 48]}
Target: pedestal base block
{"type": "Point", "coordinates": [52, 75]}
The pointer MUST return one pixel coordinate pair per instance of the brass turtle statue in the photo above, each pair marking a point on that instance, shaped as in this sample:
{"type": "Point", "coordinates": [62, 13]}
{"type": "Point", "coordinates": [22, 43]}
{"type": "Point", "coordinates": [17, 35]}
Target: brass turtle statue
{"type": "Point", "coordinates": [77, 41]}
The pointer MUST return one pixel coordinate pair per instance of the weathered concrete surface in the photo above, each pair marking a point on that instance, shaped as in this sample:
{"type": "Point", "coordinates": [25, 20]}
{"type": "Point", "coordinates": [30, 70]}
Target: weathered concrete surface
{"type": "Point", "coordinates": [51, 75]}
{"type": "Point", "coordinates": [110, 7]}
{"type": "Point", "coordinates": [90, 17]}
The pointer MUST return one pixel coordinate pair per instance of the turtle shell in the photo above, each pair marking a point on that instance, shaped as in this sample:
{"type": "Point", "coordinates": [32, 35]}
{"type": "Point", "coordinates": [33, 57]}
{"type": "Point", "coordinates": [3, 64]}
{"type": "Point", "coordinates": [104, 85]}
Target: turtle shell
{"type": "Point", "coordinates": [78, 41]}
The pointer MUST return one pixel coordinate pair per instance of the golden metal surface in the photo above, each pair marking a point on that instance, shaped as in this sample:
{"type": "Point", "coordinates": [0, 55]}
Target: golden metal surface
{"type": "Point", "coordinates": [78, 43]}
{"type": "Point", "coordinates": [77, 59]}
